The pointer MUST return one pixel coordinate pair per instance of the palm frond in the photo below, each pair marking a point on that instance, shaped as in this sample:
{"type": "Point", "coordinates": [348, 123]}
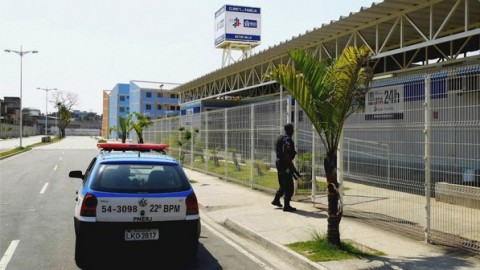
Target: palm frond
{"type": "Point", "coordinates": [328, 91]}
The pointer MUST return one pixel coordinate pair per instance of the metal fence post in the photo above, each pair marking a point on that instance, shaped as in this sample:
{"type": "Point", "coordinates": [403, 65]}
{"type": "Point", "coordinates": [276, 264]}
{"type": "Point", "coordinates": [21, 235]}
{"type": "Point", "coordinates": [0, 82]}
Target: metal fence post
{"type": "Point", "coordinates": [427, 156]}
{"type": "Point", "coordinates": [314, 182]}
{"type": "Point", "coordinates": [192, 154]}
{"type": "Point", "coordinates": [340, 167]}
{"type": "Point", "coordinates": [295, 138]}
{"type": "Point", "coordinates": [206, 142]}
{"type": "Point", "coordinates": [226, 144]}
{"type": "Point", "coordinates": [252, 143]}
{"type": "Point", "coordinates": [281, 109]}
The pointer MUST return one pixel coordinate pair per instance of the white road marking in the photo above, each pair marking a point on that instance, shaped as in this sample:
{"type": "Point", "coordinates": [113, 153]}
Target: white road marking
{"type": "Point", "coordinates": [60, 158]}
{"type": "Point", "coordinates": [237, 247]}
{"type": "Point", "coordinates": [44, 188]}
{"type": "Point", "coordinates": [54, 169]}
{"type": "Point", "coordinates": [8, 254]}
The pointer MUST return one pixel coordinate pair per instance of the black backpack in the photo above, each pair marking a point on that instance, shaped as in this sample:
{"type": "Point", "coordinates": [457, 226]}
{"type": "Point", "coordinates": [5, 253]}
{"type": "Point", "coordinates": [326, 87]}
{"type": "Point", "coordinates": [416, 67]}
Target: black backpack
{"type": "Point", "coordinates": [279, 146]}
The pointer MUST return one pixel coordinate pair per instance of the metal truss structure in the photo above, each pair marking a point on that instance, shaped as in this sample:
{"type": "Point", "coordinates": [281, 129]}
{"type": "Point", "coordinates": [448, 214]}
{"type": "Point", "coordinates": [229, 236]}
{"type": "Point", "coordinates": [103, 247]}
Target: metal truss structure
{"type": "Point", "coordinates": [404, 36]}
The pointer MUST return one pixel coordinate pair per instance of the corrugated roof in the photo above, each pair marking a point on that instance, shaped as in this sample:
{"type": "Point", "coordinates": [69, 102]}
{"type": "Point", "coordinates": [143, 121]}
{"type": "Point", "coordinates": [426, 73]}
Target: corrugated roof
{"type": "Point", "coordinates": [364, 22]}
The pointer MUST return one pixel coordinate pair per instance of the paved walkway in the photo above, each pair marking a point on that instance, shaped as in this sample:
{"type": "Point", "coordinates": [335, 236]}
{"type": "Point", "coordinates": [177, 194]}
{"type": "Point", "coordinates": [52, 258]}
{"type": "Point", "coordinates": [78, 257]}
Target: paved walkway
{"type": "Point", "coordinates": [9, 144]}
{"type": "Point", "coordinates": [250, 213]}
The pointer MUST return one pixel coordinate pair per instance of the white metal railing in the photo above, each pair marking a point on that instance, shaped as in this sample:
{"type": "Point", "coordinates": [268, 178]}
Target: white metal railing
{"type": "Point", "coordinates": [390, 165]}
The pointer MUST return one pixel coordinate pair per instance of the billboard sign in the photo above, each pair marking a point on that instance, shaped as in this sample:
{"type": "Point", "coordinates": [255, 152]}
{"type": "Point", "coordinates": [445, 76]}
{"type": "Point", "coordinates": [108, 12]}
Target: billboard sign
{"type": "Point", "coordinates": [237, 24]}
{"type": "Point", "coordinates": [384, 103]}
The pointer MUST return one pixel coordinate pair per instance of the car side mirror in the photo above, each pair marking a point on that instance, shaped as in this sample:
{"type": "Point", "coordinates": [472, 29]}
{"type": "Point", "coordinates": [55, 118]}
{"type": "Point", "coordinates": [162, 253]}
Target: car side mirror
{"type": "Point", "coordinates": [76, 174]}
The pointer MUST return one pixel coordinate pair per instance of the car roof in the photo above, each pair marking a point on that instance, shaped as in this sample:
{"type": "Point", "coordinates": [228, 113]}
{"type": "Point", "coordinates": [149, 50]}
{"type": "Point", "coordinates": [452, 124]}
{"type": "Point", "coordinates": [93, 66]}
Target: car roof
{"type": "Point", "coordinates": [135, 156]}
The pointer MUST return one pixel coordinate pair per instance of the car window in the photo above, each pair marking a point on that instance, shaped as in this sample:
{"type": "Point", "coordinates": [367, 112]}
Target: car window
{"type": "Point", "coordinates": [139, 178]}
{"type": "Point", "coordinates": [89, 169]}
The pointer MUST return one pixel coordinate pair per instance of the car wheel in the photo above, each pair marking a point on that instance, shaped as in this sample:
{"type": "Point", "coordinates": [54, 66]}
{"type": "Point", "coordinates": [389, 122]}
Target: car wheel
{"type": "Point", "coordinates": [81, 256]}
{"type": "Point", "coordinates": [191, 251]}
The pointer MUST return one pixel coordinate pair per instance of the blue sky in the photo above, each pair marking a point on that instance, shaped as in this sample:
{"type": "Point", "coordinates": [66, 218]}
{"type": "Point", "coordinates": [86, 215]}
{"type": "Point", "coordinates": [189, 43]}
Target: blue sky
{"type": "Point", "coordinates": [88, 46]}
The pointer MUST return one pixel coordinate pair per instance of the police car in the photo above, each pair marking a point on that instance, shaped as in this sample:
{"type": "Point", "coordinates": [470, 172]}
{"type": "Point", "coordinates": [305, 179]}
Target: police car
{"type": "Point", "coordinates": [133, 198]}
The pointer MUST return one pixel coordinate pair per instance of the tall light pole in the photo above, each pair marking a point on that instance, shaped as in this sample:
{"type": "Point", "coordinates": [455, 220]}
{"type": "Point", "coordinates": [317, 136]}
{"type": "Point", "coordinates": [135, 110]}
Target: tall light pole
{"type": "Point", "coordinates": [21, 53]}
{"type": "Point", "coordinates": [46, 105]}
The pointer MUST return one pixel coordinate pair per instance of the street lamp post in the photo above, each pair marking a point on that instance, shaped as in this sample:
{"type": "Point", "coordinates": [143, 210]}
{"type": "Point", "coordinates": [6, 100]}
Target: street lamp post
{"type": "Point", "coordinates": [46, 105]}
{"type": "Point", "coordinates": [21, 53]}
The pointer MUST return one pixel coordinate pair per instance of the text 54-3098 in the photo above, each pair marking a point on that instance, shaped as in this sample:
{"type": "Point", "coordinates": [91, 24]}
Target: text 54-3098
{"type": "Point", "coordinates": [119, 208]}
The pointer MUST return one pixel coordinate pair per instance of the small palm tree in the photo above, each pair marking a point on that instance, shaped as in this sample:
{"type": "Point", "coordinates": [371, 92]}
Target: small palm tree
{"type": "Point", "coordinates": [329, 92]}
{"type": "Point", "coordinates": [125, 126]}
{"type": "Point", "coordinates": [140, 125]}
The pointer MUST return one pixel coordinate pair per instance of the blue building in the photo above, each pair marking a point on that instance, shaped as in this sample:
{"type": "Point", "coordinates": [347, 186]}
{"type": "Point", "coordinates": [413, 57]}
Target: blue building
{"type": "Point", "coordinates": [118, 105]}
{"type": "Point", "coordinates": [155, 100]}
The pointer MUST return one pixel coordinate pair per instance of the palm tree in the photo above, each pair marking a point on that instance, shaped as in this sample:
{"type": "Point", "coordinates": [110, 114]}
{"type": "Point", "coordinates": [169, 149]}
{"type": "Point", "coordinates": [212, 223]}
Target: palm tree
{"type": "Point", "coordinates": [141, 123]}
{"type": "Point", "coordinates": [329, 92]}
{"type": "Point", "coordinates": [125, 126]}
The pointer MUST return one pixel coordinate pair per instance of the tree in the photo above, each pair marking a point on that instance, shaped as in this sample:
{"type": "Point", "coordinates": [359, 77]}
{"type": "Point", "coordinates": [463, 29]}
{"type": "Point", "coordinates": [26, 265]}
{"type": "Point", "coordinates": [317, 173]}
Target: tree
{"type": "Point", "coordinates": [124, 126]}
{"type": "Point", "coordinates": [185, 141]}
{"type": "Point", "coordinates": [329, 92]}
{"type": "Point", "coordinates": [141, 123]}
{"type": "Point", "coordinates": [64, 102]}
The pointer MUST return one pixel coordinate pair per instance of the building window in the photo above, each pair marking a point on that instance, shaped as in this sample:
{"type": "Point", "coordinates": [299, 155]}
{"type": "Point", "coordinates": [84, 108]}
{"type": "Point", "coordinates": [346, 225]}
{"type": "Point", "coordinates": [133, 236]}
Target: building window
{"type": "Point", "coordinates": [300, 116]}
{"type": "Point", "coordinates": [148, 94]}
{"type": "Point", "coordinates": [173, 96]}
{"type": "Point", "coordinates": [148, 107]}
{"type": "Point", "coordinates": [159, 107]}
{"type": "Point", "coordinates": [122, 98]}
{"type": "Point", "coordinates": [159, 95]}
{"type": "Point", "coordinates": [172, 108]}
{"type": "Point", "coordinates": [121, 109]}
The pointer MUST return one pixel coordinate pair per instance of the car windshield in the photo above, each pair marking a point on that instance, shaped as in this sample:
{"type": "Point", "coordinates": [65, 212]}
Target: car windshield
{"type": "Point", "coordinates": [139, 178]}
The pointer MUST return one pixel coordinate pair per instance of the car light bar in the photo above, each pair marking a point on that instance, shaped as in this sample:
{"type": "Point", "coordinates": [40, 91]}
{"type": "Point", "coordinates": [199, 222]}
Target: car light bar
{"type": "Point", "coordinates": [144, 147]}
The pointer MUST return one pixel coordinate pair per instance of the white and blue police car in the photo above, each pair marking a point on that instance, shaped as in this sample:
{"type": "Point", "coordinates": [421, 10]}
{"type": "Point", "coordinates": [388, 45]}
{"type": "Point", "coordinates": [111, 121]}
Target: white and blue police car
{"type": "Point", "coordinates": [134, 198]}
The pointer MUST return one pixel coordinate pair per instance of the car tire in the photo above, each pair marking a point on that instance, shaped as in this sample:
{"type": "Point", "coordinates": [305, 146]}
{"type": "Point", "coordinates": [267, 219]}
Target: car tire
{"type": "Point", "coordinates": [81, 256]}
{"type": "Point", "coordinates": [191, 252]}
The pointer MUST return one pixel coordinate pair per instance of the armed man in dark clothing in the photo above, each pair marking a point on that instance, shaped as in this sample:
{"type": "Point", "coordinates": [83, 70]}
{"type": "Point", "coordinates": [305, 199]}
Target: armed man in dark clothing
{"type": "Point", "coordinates": [285, 149]}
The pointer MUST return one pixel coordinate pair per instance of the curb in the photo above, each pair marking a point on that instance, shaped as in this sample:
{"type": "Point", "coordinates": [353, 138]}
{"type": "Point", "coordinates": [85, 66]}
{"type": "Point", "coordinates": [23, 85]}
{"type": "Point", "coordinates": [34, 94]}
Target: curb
{"type": "Point", "coordinates": [279, 250]}
{"type": "Point", "coordinates": [14, 154]}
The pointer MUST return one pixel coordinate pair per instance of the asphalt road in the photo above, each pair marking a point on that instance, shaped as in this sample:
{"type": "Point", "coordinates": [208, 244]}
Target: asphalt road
{"type": "Point", "coordinates": [37, 199]}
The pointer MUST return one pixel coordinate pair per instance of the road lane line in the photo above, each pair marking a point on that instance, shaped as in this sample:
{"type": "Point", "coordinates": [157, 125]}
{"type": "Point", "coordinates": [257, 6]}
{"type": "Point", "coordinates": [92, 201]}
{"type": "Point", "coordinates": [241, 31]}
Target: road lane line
{"type": "Point", "coordinates": [54, 169]}
{"type": "Point", "coordinates": [8, 254]}
{"type": "Point", "coordinates": [44, 188]}
{"type": "Point", "coordinates": [237, 247]}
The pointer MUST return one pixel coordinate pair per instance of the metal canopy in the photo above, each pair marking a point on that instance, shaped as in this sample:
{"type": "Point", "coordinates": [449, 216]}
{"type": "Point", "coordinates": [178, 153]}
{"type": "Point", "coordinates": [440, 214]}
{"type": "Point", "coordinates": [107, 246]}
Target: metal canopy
{"type": "Point", "coordinates": [404, 35]}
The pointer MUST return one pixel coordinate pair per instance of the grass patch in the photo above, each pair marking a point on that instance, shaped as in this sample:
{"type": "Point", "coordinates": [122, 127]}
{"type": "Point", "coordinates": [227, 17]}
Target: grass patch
{"type": "Point", "coordinates": [320, 250]}
{"type": "Point", "coordinates": [268, 179]}
{"type": "Point", "coordinates": [15, 151]}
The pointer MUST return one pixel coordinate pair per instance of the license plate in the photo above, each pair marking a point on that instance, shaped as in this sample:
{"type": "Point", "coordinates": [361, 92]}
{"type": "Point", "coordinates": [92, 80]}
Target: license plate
{"type": "Point", "coordinates": [141, 235]}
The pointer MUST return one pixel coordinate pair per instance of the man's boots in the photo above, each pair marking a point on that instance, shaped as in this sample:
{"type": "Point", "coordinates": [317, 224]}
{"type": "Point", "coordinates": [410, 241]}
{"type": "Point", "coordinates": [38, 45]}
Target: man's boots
{"type": "Point", "coordinates": [276, 201]}
{"type": "Point", "coordinates": [287, 207]}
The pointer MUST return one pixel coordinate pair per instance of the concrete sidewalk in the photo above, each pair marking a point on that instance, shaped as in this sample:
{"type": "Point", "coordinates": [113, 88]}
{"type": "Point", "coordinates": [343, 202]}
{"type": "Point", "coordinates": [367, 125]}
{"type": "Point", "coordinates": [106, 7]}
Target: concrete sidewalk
{"type": "Point", "coordinates": [10, 144]}
{"type": "Point", "coordinates": [249, 212]}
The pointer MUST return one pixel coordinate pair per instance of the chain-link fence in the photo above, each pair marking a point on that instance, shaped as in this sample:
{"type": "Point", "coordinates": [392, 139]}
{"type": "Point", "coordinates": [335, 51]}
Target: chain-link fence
{"type": "Point", "coordinates": [411, 161]}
